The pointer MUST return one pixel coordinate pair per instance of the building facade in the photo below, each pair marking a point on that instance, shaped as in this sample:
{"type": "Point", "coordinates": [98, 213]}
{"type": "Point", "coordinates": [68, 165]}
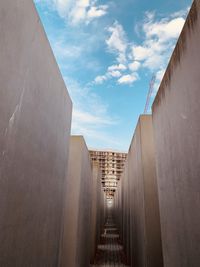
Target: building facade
{"type": "Point", "coordinates": [111, 164]}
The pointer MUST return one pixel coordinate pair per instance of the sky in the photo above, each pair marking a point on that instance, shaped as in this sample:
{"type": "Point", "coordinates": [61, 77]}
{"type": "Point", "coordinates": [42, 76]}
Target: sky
{"type": "Point", "coordinates": [107, 52]}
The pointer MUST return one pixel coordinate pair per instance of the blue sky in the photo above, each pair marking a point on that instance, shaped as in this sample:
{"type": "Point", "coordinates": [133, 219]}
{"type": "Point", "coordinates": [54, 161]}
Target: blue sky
{"type": "Point", "coordinates": [107, 52]}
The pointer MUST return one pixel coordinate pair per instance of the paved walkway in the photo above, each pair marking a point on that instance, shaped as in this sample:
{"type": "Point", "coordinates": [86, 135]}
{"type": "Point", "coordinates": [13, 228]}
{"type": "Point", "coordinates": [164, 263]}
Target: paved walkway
{"type": "Point", "coordinates": [110, 252]}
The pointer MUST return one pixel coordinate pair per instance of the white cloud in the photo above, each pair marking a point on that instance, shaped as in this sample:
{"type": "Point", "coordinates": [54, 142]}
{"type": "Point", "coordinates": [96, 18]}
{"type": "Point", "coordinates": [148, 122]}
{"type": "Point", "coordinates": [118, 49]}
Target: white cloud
{"type": "Point", "coordinates": [155, 61]}
{"type": "Point", "coordinates": [140, 52]}
{"type": "Point", "coordinates": [134, 66]}
{"type": "Point", "coordinates": [165, 29]}
{"type": "Point", "coordinates": [115, 73]}
{"type": "Point", "coordinates": [117, 41]}
{"type": "Point", "coordinates": [120, 67]}
{"type": "Point", "coordinates": [128, 79]}
{"type": "Point", "coordinates": [112, 72]}
{"type": "Point", "coordinates": [95, 12]}
{"type": "Point", "coordinates": [159, 40]}
{"type": "Point", "coordinates": [79, 11]}
{"type": "Point", "coordinates": [62, 6]}
{"type": "Point", "coordinates": [100, 79]}
{"type": "Point", "coordinates": [116, 44]}
{"type": "Point", "coordinates": [86, 10]}
{"type": "Point", "coordinates": [159, 36]}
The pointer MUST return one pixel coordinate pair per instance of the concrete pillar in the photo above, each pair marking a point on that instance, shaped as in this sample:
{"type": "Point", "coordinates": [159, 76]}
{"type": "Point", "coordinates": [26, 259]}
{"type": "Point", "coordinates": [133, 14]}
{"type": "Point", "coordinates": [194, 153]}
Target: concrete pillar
{"type": "Point", "coordinates": [145, 241]}
{"type": "Point", "coordinates": [101, 214]}
{"type": "Point", "coordinates": [126, 212]}
{"type": "Point", "coordinates": [35, 118]}
{"type": "Point", "coordinates": [103, 209]}
{"type": "Point", "coordinates": [176, 124]}
{"type": "Point", "coordinates": [78, 199]}
{"type": "Point", "coordinates": [96, 208]}
{"type": "Point", "coordinates": [117, 208]}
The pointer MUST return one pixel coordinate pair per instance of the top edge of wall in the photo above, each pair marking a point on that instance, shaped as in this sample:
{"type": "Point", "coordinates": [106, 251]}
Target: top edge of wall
{"type": "Point", "coordinates": [178, 51]}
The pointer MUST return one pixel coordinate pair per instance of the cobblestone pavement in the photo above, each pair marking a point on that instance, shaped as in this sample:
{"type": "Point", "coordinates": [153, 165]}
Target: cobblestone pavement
{"type": "Point", "coordinates": [110, 251]}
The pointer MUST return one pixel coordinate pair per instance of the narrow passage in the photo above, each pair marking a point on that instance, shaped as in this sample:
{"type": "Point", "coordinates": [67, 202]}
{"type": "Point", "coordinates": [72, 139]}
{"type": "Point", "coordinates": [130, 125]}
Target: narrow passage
{"type": "Point", "coordinates": [110, 251]}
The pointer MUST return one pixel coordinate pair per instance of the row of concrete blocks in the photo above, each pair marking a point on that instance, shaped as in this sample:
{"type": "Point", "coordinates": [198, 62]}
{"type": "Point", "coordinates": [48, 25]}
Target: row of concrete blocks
{"type": "Point", "coordinates": [159, 195]}
{"type": "Point", "coordinates": [49, 192]}
{"type": "Point", "coordinates": [83, 208]}
{"type": "Point", "coordinates": [136, 201]}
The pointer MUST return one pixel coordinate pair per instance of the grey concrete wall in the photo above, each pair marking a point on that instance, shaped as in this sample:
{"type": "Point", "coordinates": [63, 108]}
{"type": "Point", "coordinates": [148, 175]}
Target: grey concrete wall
{"type": "Point", "coordinates": [176, 120]}
{"type": "Point", "coordinates": [35, 118]}
{"type": "Point", "coordinates": [122, 212]}
{"type": "Point", "coordinates": [95, 229]}
{"type": "Point", "coordinates": [117, 208]}
{"type": "Point", "coordinates": [126, 212]}
{"type": "Point", "coordinates": [102, 210]}
{"type": "Point", "coordinates": [101, 214]}
{"type": "Point", "coordinates": [77, 221]}
{"type": "Point", "coordinates": [145, 239]}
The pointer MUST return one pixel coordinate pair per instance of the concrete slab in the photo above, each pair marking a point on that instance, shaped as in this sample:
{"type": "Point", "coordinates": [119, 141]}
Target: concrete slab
{"type": "Point", "coordinates": [35, 112]}
{"type": "Point", "coordinates": [145, 236]}
{"type": "Point", "coordinates": [95, 231]}
{"type": "Point", "coordinates": [176, 123]}
{"type": "Point", "coordinates": [78, 199]}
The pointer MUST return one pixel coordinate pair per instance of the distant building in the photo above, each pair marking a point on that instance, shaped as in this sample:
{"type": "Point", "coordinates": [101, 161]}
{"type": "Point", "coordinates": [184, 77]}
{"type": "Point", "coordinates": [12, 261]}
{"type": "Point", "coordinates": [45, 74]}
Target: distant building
{"type": "Point", "coordinates": [111, 164]}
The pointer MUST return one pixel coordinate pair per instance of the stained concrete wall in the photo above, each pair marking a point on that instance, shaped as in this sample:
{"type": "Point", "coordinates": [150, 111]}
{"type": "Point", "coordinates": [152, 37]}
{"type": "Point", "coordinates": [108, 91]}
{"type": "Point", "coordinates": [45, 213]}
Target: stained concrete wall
{"type": "Point", "coordinates": [117, 207]}
{"type": "Point", "coordinates": [146, 249]}
{"type": "Point", "coordinates": [78, 199]}
{"type": "Point", "coordinates": [103, 209]}
{"type": "Point", "coordinates": [176, 123]}
{"type": "Point", "coordinates": [35, 118]}
{"type": "Point", "coordinates": [101, 214]}
{"type": "Point", "coordinates": [121, 212]}
{"type": "Point", "coordinates": [136, 201]}
{"type": "Point", "coordinates": [125, 210]}
{"type": "Point", "coordinates": [95, 230]}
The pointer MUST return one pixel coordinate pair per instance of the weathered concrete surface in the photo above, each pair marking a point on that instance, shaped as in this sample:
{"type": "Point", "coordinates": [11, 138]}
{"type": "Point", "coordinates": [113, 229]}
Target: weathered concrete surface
{"type": "Point", "coordinates": [176, 120]}
{"type": "Point", "coordinates": [78, 199]}
{"type": "Point", "coordinates": [145, 240]}
{"type": "Point", "coordinates": [35, 118]}
{"type": "Point", "coordinates": [103, 210]}
{"type": "Point", "coordinates": [95, 229]}
{"type": "Point", "coordinates": [122, 211]}
{"type": "Point", "coordinates": [117, 207]}
{"type": "Point", "coordinates": [125, 183]}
